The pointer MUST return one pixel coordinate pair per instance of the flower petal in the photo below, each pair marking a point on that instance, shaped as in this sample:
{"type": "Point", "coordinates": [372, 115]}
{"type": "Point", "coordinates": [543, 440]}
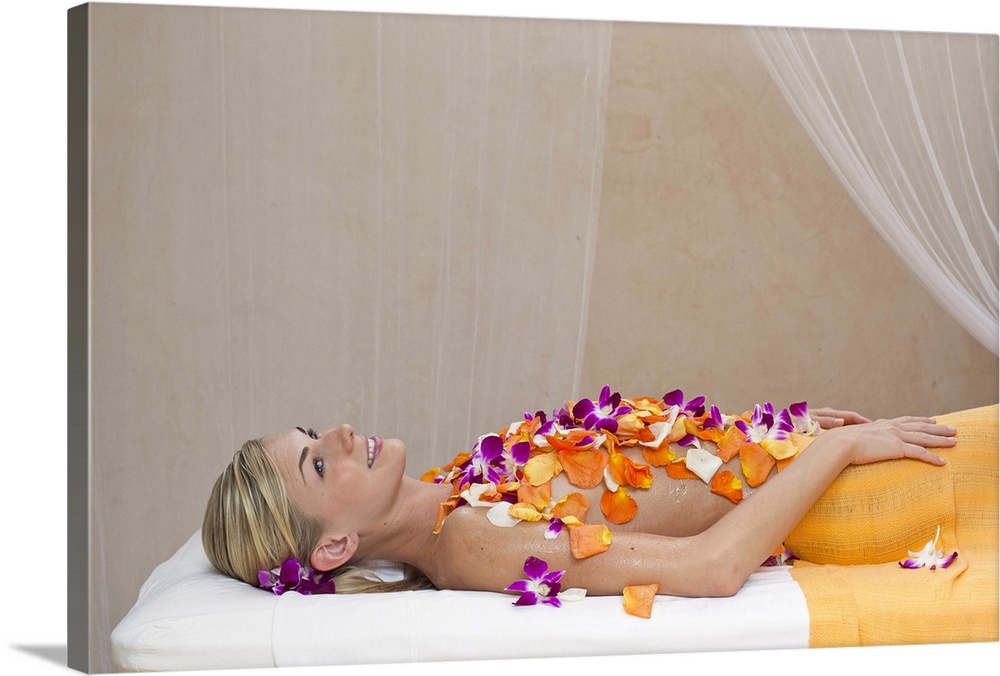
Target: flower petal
{"type": "Point", "coordinates": [731, 442]}
{"type": "Point", "coordinates": [555, 527]}
{"type": "Point", "coordinates": [702, 463]}
{"type": "Point", "coordinates": [528, 598]}
{"type": "Point", "coordinates": [574, 504]}
{"type": "Point", "coordinates": [678, 469]}
{"type": "Point", "coordinates": [639, 599]}
{"type": "Point", "coordinates": [625, 471]}
{"type": "Point", "coordinates": [537, 496]}
{"type": "Point", "coordinates": [756, 463]}
{"type": "Point", "coordinates": [726, 484]}
{"type": "Point", "coordinates": [499, 515]}
{"type": "Point", "coordinates": [524, 512]}
{"type": "Point", "coordinates": [659, 457]}
{"type": "Point", "coordinates": [587, 540]}
{"type": "Point", "coordinates": [779, 449]}
{"type": "Point", "coordinates": [541, 468]}
{"type": "Point", "coordinates": [518, 586]}
{"type": "Point", "coordinates": [572, 594]}
{"type": "Point", "coordinates": [584, 469]}
{"type": "Point", "coordinates": [535, 568]}
{"type": "Point", "coordinates": [618, 506]}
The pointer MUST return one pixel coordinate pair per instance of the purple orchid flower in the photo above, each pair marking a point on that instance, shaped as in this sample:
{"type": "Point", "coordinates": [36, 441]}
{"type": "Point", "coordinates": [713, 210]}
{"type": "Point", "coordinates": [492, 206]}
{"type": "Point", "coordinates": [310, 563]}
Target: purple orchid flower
{"type": "Point", "coordinates": [930, 556]}
{"type": "Point", "coordinates": [714, 419]}
{"type": "Point", "coordinates": [802, 422]}
{"type": "Point", "coordinates": [693, 408]}
{"type": "Point", "coordinates": [602, 415]}
{"type": "Point", "coordinates": [555, 527]}
{"type": "Point", "coordinates": [292, 575]}
{"type": "Point", "coordinates": [491, 463]}
{"type": "Point", "coordinates": [764, 424]}
{"type": "Point", "coordinates": [545, 426]}
{"type": "Point", "coordinates": [541, 585]}
{"type": "Point", "coordinates": [563, 418]}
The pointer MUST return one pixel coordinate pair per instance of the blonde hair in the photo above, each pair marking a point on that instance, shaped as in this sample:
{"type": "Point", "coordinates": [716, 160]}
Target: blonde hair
{"type": "Point", "coordinates": [251, 525]}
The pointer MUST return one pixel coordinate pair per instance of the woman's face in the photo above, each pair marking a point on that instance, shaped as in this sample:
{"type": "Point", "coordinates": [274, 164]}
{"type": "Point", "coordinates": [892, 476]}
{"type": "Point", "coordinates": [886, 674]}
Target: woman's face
{"type": "Point", "coordinates": [344, 480]}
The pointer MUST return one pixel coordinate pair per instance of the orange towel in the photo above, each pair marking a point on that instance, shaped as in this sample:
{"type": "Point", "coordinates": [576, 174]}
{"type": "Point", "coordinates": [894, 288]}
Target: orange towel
{"type": "Point", "coordinates": [867, 520]}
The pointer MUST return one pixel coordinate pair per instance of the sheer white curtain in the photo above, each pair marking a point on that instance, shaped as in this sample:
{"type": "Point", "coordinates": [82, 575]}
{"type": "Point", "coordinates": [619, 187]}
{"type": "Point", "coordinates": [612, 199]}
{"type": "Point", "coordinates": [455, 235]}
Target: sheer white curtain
{"type": "Point", "coordinates": [908, 122]}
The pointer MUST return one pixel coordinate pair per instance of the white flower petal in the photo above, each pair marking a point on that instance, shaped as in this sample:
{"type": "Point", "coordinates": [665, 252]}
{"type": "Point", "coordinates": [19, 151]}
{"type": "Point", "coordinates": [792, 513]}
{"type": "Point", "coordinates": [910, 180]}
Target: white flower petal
{"type": "Point", "coordinates": [609, 480]}
{"type": "Point", "coordinates": [475, 491]}
{"type": "Point", "coordinates": [703, 463]}
{"type": "Point", "coordinates": [499, 515]}
{"type": "Point", "coordinates": [660, 431]}
{"type": "Point", "coordinates": [572, 594]}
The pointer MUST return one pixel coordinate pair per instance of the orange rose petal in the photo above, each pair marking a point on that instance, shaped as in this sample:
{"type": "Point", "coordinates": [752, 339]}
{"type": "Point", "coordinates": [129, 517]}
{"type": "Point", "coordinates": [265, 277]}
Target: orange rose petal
{"type": "Point", "coordinates": [430, 475]}
{"type": "Point", "coordinates": [541, 468]}
{"type": "Point", "coordinates": [677, 432]}
{"type": "Point", "coordinates": [537, 496]}
{"type": "Point", "coordinates": [678, 469]}
{"type": "Point", "coordinates": [490, 496]}
{"type": "Point", "coordinates": [645, 434]}
{"type": "Point", "coordinates": [730, 443]}
{"type": "Point", "coordinates": [618, 506]}
{"type": "Point", "coordinates": [526, 512]}
{"type": "Point", "coordinates": [639, 599]}
{"type": "Point", "coordinates": [444, 509]}
{"type": "Point", "coordinates": [659, 457]}
{"type": "Point", "coordinates": [726, 484]}
{"type": "Point", "coordinates": [625, 471]}
{"type": "Point", "coordinates": [584, 469]}
{"type": "Point", "coordinates": [588, 539]}
{"type": "Point", "coordinates": [574, 504]}
{"type": "Point", "coordinates": [756, 463]}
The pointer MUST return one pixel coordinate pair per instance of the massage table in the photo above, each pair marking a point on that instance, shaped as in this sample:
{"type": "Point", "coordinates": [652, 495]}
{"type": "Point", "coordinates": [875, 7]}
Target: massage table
{"type": "Point", "coordinates": [188, 616]}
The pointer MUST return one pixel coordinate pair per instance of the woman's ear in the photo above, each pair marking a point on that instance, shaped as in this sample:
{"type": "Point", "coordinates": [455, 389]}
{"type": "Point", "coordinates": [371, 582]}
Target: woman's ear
{"type": "Point", "coordinates": [333, 553]}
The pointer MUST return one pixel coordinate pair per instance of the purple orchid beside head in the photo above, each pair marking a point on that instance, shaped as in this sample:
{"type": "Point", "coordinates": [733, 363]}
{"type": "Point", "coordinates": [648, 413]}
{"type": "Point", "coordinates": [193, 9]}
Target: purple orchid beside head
{"type": "Point", "coordinates": [542, 586]}
{"type": "Point", "coordinates": [693, 408]}
{"type": "Point", "coordinates": [292, 575]}
{"type": "Point", "coordinates": [603, 414]}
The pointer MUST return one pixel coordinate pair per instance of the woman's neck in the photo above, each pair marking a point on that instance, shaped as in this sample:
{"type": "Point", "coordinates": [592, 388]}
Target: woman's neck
{"type": "Point", "coordinates": [407, 532]}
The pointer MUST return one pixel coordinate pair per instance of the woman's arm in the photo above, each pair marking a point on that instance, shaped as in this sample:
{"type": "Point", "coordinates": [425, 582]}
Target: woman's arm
{"type": "Point", "coordinates": [717, 562]}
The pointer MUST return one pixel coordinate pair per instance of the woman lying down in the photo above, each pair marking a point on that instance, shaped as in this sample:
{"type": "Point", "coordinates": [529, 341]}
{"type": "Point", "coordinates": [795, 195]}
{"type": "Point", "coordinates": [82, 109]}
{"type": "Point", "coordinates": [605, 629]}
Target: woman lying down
{"type": "Point", "coordinates": [637, 495]}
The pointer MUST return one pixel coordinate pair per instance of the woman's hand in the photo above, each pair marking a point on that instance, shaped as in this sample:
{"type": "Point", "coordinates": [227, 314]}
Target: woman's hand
{"type": "Point", "coordinates": [828, 418]}
{"type": "Point", "coordinates": [905, 437]}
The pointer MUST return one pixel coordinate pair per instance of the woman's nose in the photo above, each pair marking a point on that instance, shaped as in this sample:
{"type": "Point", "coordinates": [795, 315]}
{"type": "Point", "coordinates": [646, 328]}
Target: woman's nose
{"type": "Point", "coordinates": [344, 431]}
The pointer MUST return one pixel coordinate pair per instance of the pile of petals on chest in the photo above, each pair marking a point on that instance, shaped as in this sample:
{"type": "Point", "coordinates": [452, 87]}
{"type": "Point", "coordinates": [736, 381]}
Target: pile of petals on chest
{"type": "Point", "coordinates": [511, 472]}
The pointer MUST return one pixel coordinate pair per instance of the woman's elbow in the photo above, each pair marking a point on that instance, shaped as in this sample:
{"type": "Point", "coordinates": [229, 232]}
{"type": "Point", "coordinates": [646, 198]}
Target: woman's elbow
{"type": "Point", "coordinates": [719, 576]}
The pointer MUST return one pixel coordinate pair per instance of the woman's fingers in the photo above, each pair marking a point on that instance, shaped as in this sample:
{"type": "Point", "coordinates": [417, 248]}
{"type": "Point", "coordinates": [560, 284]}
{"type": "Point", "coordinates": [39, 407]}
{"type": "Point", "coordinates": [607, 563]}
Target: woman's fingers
{"type": "Point", "coordinates": [832, 417]}
{"type": "Point", "coordinates": [921, 453]}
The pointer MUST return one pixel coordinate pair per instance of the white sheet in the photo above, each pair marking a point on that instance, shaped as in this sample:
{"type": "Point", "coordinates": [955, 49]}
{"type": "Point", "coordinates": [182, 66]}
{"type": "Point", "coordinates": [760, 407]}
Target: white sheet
{"type": "Point", "coordinates": [190, 617]}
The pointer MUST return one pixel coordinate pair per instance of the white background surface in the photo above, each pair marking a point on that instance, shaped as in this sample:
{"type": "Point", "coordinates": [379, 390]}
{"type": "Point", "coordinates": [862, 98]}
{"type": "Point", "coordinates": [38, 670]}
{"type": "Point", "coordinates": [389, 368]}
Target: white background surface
{"type": "Point", "coordinates": [33, 281]}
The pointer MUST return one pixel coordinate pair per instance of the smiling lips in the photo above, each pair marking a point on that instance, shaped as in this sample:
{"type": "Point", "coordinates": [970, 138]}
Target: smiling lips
{"type": "Point", "coordinates": [374, 447]}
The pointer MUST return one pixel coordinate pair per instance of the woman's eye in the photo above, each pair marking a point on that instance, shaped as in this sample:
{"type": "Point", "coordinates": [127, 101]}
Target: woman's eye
{"type": "Point", "coordinates": [318, 466]}
{"type": "Point", "coordinates": [313, 434]}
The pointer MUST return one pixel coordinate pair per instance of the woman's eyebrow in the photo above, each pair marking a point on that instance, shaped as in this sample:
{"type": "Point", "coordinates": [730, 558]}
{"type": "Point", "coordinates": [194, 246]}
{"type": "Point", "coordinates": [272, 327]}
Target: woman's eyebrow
{"type": "Point", "coordinates": [302, 430]}
{"type": "Point", "coordinates": [302, 459]}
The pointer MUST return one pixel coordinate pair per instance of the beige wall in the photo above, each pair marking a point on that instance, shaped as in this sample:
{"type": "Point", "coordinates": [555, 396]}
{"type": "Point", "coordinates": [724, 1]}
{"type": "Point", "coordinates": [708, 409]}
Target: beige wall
{"type": "Point", "coordinates": [427, 225]}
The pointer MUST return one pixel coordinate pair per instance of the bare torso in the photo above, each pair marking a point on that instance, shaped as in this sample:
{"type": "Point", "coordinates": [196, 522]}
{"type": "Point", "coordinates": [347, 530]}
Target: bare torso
{"type": "Point", "coordinates": [676, 507]}
{"type": "Point", "coordinates": [670, 507]}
